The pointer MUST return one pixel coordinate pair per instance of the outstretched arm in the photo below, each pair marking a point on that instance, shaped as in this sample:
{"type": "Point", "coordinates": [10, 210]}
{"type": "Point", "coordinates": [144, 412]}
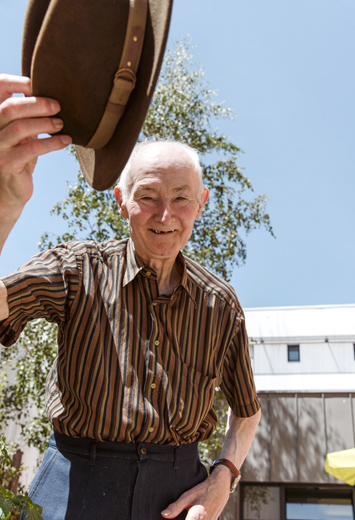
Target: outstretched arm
{"type": "Point", "coordinates": [22, 119]}
{"type": "Point", "coordinates": [208, 499]}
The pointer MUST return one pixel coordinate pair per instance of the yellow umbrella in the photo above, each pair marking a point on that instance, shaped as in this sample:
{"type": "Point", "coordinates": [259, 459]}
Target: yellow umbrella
{"type": "Point", "coordinates": [341, 464]}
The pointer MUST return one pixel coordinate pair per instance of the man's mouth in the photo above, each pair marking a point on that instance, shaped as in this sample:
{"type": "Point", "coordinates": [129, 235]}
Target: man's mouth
{"type": "Point", "coordinates": [157, 232]}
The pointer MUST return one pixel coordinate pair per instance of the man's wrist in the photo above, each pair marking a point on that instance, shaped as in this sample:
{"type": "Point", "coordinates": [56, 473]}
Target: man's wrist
{"type": "Point", "coordinates": [235, 474]}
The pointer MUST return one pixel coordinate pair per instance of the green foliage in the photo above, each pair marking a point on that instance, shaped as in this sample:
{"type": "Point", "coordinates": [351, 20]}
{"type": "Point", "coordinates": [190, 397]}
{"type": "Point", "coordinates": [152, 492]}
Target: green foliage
{"type": "Point", "coordinates": [23, 388]}
{"type": "Point", "coordinates": [11, 504]}
{"type": "Point", "coordinates": [90, 215]}
{"type": "Point", "coordinates": [183, 109]}
{"type": "Point", "coordinates": [8, 472]}
{"type": "Point", "coordinates": [211, 449]}
{"type": "Point", "coordinates": [14, 505]}
{"type": "Point", "coordinates": [5, 457]}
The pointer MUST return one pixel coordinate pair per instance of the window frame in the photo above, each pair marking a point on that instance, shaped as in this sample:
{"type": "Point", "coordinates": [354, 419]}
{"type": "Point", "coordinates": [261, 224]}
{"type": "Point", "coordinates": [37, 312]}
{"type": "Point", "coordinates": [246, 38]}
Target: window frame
{"type": "Point", "coordinates": [291, 349]}
{"type": "Point", "coordinates": [285, 488]}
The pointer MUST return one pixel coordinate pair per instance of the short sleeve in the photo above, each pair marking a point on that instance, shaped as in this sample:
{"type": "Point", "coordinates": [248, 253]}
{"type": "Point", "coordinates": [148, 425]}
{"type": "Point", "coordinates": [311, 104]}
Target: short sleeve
{"type": "Point", "coordinates": [237, 378]}
{"type": "Point", "coordinates": [43, 288]}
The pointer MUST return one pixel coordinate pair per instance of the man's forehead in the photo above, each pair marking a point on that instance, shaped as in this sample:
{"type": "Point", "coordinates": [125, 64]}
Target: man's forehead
{"type": "Point", "coordinates": [166, 168]}
{"type": "Point", "coordinates": [145, 184]}
{"type": "Point", "coordinates": [161, 156]}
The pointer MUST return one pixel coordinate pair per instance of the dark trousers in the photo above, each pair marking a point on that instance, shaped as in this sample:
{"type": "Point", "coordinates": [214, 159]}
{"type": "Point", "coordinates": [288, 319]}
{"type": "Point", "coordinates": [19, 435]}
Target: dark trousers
{"type": "Point", "coordinates": [81, 479]}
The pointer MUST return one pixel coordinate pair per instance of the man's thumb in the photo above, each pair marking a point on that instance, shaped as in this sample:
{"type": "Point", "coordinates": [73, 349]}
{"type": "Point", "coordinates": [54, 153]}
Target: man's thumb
{"type": "Point", "coordinates": [173, 510]}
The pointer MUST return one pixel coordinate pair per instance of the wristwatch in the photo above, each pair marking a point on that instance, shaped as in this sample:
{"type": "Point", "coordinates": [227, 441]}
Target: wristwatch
{"type": "Point", "coordinates": [235, 472]}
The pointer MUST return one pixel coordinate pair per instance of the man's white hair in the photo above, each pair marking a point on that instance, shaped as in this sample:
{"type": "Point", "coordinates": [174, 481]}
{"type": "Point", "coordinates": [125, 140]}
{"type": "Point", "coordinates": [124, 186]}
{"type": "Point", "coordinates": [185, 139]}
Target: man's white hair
{"type": "Point", "coordinates": [125, 183]}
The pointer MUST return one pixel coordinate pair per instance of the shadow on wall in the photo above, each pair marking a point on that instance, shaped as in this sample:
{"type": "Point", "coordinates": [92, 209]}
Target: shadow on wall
{"type": "Point", "coordinates": [295, 434]}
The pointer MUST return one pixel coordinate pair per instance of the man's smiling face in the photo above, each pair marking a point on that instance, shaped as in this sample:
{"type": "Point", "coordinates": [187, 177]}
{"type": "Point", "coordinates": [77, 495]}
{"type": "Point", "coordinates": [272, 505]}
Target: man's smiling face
{"type": "Point", "coordinates": [164, 201]}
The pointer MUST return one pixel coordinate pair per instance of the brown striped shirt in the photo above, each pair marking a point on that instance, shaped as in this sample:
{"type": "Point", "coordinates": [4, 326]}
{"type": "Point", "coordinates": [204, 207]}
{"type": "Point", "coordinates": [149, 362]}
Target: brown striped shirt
{"type": "Point", "coordinates": [133, 366]}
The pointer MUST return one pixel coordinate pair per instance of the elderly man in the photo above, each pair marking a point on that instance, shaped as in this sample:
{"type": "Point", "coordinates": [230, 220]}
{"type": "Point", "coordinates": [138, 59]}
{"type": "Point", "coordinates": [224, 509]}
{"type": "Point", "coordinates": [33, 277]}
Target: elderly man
{"type": "Point", "coordinates": [144, 337]}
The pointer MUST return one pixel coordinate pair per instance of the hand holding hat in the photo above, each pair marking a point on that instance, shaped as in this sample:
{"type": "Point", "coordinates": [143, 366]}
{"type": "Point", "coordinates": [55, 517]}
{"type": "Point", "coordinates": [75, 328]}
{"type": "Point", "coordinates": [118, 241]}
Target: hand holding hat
{"type": "Point", "coordinates": [21, 120]}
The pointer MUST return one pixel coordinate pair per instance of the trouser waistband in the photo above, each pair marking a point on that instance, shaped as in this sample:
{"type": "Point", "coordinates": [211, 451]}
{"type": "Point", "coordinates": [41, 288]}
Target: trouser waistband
{"type": "Point", "coordinates": [140, 451]}
{"type": "Point", "coordinates": [82, 479]}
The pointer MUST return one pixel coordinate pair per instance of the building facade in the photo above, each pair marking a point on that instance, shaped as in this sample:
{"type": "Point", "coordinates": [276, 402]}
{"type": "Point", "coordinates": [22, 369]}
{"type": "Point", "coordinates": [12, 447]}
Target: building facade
{"type": "Point", "coordinates": [304, 367]}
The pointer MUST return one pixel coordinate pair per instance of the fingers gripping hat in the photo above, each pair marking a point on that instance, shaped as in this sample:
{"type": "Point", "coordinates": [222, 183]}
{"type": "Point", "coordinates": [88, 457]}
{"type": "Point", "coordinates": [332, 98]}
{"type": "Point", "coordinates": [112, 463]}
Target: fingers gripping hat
{"type": "Point", "coordinates": [101, 61]}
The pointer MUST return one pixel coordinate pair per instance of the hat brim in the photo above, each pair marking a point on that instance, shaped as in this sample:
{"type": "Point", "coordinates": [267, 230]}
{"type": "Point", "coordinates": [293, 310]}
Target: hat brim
{"type": "Point", "coordinates": [71, 51]}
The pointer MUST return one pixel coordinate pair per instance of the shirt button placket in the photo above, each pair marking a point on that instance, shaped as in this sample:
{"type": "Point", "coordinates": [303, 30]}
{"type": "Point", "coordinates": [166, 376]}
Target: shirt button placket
{"type": "Point", "coordinates": [153, 385]}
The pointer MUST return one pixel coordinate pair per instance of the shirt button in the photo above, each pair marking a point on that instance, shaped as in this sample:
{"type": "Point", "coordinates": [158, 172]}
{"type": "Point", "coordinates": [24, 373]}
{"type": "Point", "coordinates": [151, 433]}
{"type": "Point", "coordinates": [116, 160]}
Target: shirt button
{"type": "Point", "coordinates": [143, 451]}
{"type": "Point", "coordinates": [148, 273]}
{"type": "Point", "coordinates": [151, 430]}
{"type": "Point", "coordinates": [153, 385]}
{"type": "Point", "coordinates": [154, 304]}
{"type": "Point", "coordinates": [156, 342]}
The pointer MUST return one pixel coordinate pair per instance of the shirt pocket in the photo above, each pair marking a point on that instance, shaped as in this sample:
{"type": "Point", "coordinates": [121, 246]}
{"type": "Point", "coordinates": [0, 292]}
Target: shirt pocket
{"type": "Point", "coordinates": [190, 401]}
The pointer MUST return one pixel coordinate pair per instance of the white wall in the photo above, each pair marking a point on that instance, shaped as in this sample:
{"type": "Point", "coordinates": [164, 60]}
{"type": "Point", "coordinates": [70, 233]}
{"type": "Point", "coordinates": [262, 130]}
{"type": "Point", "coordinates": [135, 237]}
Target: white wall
{"type": "Point", "coordinates": [326, 336]}
{"type": "Point", "coordinates": [315, 358]}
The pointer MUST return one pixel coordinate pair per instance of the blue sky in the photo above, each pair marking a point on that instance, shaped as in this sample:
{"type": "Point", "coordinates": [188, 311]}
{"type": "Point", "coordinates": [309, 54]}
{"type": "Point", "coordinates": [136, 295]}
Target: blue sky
{"type": "Point", "coordinates": [286, 69]}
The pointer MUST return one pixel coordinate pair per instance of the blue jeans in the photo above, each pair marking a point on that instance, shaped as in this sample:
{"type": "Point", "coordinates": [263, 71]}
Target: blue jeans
{"type": "Point", "coordinates": [81, 479]}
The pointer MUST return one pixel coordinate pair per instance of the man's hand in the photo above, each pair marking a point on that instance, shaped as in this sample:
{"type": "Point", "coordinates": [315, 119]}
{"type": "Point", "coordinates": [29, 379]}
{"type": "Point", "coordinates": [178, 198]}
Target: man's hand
{"type": "Point", "coordinates": [22, 119]}
{"type": "Point", "coordinates": [208, 499]}
{"type": "Point", "coordinates": [205, 501]}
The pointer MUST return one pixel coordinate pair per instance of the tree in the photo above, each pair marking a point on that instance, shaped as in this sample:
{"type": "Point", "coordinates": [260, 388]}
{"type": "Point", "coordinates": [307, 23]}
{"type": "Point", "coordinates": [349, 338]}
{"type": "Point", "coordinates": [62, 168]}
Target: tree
{"type": "Point", "coordinates": [183, 108]}
{"type": "Point", "coordinates": [11, 505]}
{"type": "Point", "coordinates": [22, 382]}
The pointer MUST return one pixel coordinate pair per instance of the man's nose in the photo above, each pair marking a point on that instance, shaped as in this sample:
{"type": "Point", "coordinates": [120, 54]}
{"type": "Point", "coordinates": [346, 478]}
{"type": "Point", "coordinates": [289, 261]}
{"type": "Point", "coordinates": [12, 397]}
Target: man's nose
{"type": "Point", "coordinates": [164, 212]}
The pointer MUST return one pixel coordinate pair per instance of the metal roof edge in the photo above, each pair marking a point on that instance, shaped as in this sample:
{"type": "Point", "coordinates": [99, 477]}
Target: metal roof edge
{"type": "Point", "coordinates": [299, 307]}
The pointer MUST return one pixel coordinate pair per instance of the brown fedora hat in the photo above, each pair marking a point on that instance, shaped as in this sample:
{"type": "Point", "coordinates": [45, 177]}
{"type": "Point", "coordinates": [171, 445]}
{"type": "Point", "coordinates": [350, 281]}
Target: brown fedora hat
{"type": "Point", "coordinates": [101, 61]}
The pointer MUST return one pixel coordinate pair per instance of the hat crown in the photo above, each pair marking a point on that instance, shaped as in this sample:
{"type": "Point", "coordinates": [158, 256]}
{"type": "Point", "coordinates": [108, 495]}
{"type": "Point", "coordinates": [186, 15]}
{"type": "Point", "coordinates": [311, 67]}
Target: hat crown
{"type": "Point", "coordinates": [72, 50]}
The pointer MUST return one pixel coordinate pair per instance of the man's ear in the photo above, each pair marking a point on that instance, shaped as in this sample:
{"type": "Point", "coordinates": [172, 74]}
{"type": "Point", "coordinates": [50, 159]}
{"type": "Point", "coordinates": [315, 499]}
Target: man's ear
{"type": "Point", "coordinates": [205, 194]}
{"type": "Point", "coordinates": [121, 205]}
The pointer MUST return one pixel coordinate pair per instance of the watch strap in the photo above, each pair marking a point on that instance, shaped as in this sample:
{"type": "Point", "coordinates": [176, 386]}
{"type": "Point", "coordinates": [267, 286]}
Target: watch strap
{"type": "Point", "coordinates": [235, 472]}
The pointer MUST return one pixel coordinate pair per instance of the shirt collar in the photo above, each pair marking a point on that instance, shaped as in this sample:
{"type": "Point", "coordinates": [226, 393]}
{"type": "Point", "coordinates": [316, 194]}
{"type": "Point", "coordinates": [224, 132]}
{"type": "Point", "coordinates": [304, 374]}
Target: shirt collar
{"type": "Point", "coordinates": [184, 280]}
{"type": "Point", "coordinates": [134, 265]}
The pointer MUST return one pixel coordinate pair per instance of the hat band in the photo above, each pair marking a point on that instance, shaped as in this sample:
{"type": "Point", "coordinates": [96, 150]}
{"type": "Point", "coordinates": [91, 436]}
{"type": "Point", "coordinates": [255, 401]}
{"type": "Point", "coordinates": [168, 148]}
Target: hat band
{"type": "Point", "coordinates": [125, 78]}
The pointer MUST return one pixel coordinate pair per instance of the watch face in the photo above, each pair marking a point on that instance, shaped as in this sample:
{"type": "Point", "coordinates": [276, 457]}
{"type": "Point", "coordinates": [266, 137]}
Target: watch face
{"type": "Point", "coordinates": [234, 484]}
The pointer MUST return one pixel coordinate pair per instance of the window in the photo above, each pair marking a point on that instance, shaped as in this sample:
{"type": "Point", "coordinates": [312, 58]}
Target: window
{"type": "Point", "coordinates": [261, 502]}
{"type": "Point", "coordinates": [295, 502]}
{"type": "Point", "coordinates": [293, 352]}
{"type": "Point", "coordinates": [315, 504]}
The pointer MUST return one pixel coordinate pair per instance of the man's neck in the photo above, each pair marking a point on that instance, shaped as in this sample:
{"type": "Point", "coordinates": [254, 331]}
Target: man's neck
{"type": "Point", "coordinates": [168, 272]}
{"type": "Point", "coordinates": [168, 279]}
